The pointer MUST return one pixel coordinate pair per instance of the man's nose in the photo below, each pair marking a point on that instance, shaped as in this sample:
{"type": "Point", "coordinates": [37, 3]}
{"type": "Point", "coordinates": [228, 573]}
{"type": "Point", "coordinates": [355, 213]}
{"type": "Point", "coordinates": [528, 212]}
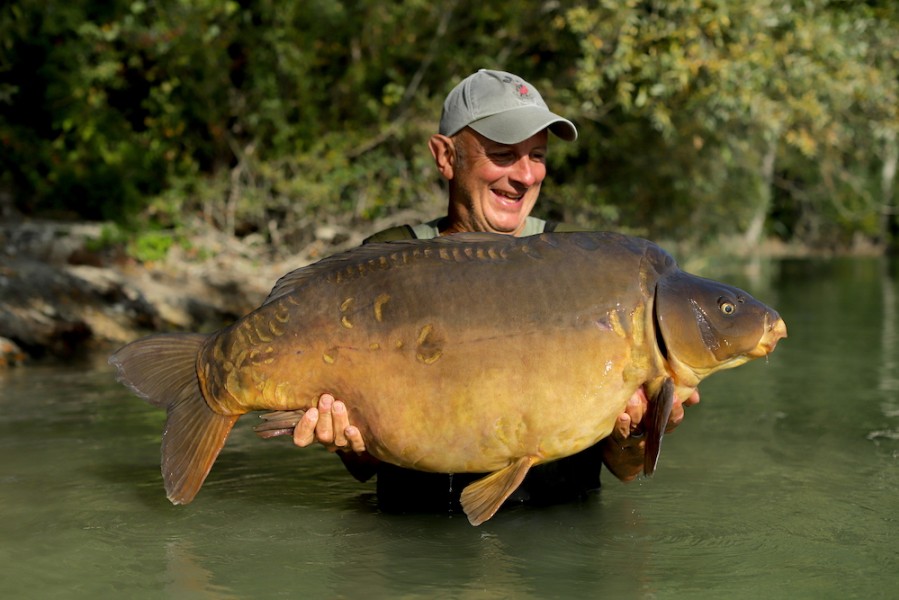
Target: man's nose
{"type": "Point", "coordinates": [524, 171]}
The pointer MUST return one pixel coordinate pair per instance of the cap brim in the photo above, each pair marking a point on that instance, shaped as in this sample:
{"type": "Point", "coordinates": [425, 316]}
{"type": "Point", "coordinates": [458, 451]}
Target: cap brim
{"type": "Point", "coordinates": [517, 125]}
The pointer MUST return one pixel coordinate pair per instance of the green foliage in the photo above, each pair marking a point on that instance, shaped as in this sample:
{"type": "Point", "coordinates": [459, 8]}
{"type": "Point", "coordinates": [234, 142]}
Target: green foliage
{"type": "Point", "coordinates": [698, 118]}
{"type": "Point", "coordinates": [151, 246]}
{"type": "Point", "coordinates": [730, 109]}
{"type": "Point", "coordinates": [111, 236]}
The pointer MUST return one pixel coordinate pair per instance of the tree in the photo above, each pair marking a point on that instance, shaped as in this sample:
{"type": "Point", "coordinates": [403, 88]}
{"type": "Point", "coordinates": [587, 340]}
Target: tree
{"type": "Point", "coordinates": [750, 99]}
{"type": "Point", "coordinates": [700, 120]}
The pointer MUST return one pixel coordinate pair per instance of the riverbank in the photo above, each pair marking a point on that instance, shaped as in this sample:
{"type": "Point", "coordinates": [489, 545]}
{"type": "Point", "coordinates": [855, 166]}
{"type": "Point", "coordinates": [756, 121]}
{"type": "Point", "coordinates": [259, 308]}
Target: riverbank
{"type": "Point", "coordinates": [61, 296]}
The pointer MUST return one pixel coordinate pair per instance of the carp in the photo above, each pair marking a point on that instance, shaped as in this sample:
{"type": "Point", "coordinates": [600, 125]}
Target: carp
{"type": "Point", "coordinates": [453, 354]}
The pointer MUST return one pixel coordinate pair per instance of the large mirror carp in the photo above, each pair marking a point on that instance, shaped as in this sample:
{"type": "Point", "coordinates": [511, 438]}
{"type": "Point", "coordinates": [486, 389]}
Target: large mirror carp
{"type": "Point", "coordinates": [451, 354]}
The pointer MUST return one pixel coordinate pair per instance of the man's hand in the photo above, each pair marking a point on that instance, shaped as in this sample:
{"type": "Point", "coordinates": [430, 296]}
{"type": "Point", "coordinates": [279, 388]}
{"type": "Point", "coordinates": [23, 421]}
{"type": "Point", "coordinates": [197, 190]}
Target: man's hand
{"type": "Point", "coordinates": [330, 426]}
{"type": "Point", "coordinates": [622, 451]}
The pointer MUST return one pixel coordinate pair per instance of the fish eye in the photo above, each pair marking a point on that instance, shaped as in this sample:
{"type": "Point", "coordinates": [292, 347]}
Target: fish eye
{"type": "Point", "coordinates": [727, 307]}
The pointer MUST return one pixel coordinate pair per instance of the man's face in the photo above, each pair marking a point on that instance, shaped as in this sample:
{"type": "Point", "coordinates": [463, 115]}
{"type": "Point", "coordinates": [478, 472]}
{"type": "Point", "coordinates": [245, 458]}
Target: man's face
{"type": "Point", "coordinates": [495, 186]}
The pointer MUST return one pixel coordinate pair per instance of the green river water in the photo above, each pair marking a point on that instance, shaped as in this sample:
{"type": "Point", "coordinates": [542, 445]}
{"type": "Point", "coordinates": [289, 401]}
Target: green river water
{"type": "Point", "coordinates": [782, 483]}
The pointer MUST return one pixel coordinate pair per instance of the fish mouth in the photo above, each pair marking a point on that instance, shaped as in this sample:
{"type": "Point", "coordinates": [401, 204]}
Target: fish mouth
{"type": "Point", "coordinates": [774, 332]}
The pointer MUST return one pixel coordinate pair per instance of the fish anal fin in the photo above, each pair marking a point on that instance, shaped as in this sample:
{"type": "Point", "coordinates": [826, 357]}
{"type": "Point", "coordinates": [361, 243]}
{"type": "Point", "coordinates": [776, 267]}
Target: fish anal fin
{"type": "Point", "coordinates": [193, 437]}
{"type": "Point", "coordinates": [481, 499]}
{"type": "Point", "coordinates": [656, 420]}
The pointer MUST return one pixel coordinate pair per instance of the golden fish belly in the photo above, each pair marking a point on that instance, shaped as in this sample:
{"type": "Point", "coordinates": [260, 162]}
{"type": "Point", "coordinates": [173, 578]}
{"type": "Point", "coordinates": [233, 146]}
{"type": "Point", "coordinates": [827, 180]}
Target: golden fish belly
{"type": "Point", "coordinates": [451, 400]}
{"type": "Point", "coordinates": [446, 365]}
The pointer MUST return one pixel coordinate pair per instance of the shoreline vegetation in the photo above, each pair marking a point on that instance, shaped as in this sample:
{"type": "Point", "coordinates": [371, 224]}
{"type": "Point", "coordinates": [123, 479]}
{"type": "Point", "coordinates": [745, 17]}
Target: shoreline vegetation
{"type": "Point", "coordinates": [66, 295]}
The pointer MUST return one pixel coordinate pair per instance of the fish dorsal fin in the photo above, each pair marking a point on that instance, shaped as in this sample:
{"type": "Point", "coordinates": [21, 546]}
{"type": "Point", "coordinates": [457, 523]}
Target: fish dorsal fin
{"type": "Point", "coordinates": [481, 499]}
{"type": "Point", "coordinates": [378, 255]}
{"type": "Point", "coordinates": [656, 420]}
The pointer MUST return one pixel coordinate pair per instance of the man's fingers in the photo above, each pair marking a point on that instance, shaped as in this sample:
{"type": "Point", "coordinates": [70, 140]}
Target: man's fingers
{"type": "Point", "coordinates": [304, 432]}
{"type": "Point", "coordinates": [676, 416]}
{"type": "Point", "coordinates": [329, 425]}
{"type": "Point", "coordinates": [324, 429]}
{"type": "Point", "coordinates": [622, 428]}
{"type": "Point", "coordinates": [354, 437]}
{"type": "Point", "coordinates": [340, 423]}
{"type": "Point", "coordinates": [693, 399]}
{"type": "Point", "coordinates": [636, 407]}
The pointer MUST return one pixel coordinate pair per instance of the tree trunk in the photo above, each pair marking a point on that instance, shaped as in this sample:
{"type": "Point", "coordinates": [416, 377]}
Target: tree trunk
{"type": "Point", "coordinates": [889, 222]}
{"type": "Point", "coordinates": [756, 227]}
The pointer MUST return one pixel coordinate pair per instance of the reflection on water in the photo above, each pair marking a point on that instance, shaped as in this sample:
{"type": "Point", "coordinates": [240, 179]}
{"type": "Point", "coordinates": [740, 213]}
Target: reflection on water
{"type": "Point", "coordinates": [782, 482]}
{"type": "Point", "coordinates": [889, 346]}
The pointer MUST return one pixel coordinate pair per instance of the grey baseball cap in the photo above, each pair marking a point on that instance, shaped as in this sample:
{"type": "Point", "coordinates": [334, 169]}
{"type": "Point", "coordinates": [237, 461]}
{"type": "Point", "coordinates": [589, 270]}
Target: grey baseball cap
{"type": "Point", "coordinates": [502, 107]}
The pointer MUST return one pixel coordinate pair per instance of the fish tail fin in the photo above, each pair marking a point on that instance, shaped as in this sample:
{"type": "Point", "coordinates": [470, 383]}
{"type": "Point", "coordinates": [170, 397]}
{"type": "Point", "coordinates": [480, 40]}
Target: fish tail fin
{"type": "Point", "coordinates": [194, 436]}
{"type": "Point", "coordinates": [481, 499]}
{"type": "Point", "coordinates": [162, 370]}
{"type": "Point", "coordinates": [656, 420]}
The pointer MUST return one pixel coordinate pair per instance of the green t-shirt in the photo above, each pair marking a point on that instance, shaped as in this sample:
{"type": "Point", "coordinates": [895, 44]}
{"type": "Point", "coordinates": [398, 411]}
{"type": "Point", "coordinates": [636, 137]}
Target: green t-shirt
{"type": "Point", "coordinates": [431, 229]}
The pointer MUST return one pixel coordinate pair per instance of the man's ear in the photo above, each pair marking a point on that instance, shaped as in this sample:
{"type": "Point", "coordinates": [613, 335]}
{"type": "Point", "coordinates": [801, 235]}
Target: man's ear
{"type": "Point", "coordinates": [444, 153]}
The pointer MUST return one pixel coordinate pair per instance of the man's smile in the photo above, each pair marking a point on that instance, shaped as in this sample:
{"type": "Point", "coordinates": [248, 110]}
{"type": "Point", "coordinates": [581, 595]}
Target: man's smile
{"type": "Point", "coordinates": [508, 196]}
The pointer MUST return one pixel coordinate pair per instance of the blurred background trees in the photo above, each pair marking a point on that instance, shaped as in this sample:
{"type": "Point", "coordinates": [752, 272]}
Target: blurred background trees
{"type": "Point", "coordinates": [710, 122]}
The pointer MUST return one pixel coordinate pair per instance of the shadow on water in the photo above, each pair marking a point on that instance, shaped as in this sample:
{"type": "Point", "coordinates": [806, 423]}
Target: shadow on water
{"type": "Point", "coordinates": [782, 482]}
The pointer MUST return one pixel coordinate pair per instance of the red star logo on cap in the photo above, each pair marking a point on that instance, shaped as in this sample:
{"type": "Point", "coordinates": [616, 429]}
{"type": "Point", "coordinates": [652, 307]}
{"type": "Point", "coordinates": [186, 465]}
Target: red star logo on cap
{"type": "Point", "coordinates": [522, 90]}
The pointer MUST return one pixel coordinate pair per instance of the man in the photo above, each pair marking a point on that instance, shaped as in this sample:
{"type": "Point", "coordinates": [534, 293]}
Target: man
{"type": "Point", "coordinates": [491, 148]}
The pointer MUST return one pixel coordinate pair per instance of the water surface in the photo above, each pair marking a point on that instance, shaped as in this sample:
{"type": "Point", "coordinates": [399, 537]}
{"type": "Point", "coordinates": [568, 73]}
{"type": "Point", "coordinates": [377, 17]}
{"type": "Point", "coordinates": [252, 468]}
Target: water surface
{"type": "Point", "coordinates": [782, 483]}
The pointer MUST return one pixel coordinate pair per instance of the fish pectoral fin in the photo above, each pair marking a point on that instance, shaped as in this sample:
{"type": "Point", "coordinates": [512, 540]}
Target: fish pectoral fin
{"type": "Point", "coordinates": [656, 420]}
{"type": "Point", "coordinates": [481, 499]}
{"type": "Point", "coordinates": [281, 422]}
{"type": "Point", "coordinates": [194, 436]}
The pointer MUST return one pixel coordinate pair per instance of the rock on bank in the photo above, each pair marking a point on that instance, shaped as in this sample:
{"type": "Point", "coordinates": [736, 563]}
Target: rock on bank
{"type": "Point", "coordinates": [59, 299]}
